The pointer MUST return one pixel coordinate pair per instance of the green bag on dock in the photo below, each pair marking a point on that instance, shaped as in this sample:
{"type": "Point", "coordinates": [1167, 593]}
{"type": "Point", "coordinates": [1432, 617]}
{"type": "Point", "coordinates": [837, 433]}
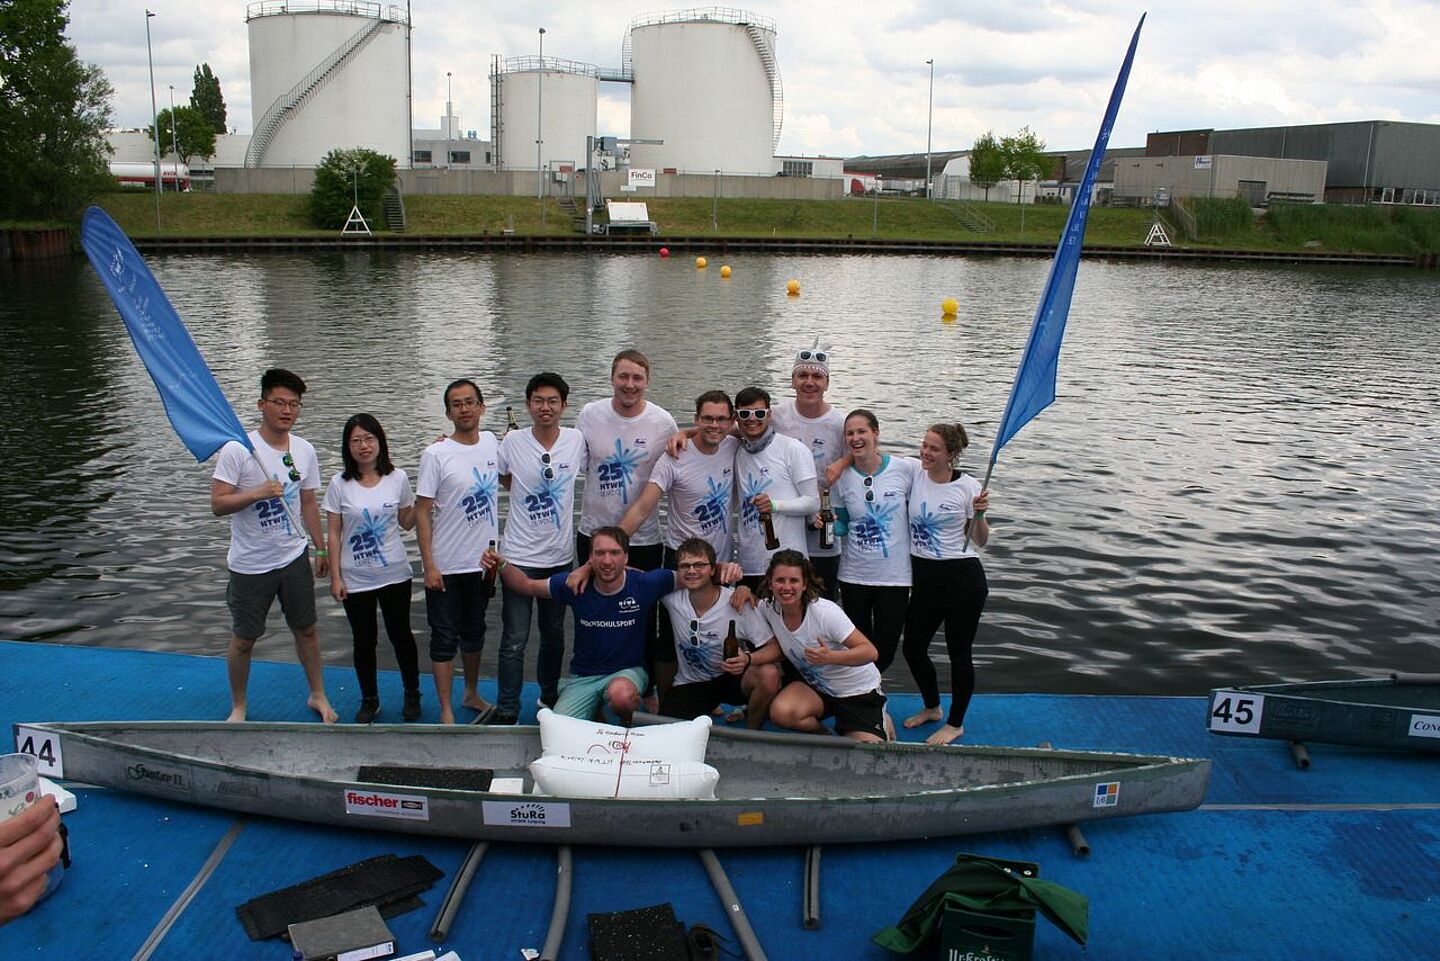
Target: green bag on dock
{"type": "Point", "coordinates": [991, 887]}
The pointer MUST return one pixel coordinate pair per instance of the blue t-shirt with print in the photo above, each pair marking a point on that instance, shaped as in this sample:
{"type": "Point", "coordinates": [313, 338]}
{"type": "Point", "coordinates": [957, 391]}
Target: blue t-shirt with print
{"type": "Point", "coordinates": [610, 628]}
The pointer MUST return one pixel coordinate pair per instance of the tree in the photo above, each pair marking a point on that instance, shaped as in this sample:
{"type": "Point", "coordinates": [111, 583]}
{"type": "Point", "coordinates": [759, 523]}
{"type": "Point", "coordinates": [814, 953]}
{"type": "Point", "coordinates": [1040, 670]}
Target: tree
{"type": "Point", "coordinates": [194, 137]}
{"type": "Point", "coordinates": [54, 110]}
{"type": "Point", "coordinates": [987, 162]}
{"type": "Point", "coordinates": [206, 98]}
{"type": "Point", "coordinates": [1024, 159]}
{"type": "Point", "coordinates": [342, 176]}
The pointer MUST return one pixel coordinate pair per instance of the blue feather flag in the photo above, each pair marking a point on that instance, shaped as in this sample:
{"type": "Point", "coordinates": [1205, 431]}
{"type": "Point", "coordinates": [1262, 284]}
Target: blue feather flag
{"type": "Point", "coordinates": [1034, 387]}
{"type": "Point", "coordinates": [193, 400]}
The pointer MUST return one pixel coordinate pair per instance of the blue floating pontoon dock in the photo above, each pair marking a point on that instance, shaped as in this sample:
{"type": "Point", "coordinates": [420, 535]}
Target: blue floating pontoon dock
{"type": "Point", "coordinates": [1341, 861]}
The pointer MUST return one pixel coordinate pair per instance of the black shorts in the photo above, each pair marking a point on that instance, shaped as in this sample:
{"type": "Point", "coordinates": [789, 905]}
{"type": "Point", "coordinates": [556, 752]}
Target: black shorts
{"type": "Point", "coordinates": [687, 701]}
{"type": "Point", "coordinates": [859, 712]}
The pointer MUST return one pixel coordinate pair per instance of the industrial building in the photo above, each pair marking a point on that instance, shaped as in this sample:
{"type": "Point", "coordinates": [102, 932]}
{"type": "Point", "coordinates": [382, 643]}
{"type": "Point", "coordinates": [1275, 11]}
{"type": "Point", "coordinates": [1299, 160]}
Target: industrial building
{"type": "Point", "coordinates": [1370, 161]}
{"type": "Point", "coordinates": [1258, 180]}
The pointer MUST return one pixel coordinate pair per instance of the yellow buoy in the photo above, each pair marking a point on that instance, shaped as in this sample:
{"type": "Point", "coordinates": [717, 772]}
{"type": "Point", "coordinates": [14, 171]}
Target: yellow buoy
{"type": "Point", "coordinates": [949, 306]}
{"type": "Point", "coordinates": [793, 288]}
{"type": "Point", "coordinates": [725, 271]}
{"type": "Point", "coordinates": [701, 263]}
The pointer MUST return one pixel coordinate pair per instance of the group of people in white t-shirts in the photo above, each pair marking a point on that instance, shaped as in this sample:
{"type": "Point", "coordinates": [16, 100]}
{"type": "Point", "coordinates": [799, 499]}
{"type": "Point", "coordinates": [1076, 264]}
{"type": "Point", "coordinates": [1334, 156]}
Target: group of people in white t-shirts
{"type": "Point", "coordinates": [895, 544]}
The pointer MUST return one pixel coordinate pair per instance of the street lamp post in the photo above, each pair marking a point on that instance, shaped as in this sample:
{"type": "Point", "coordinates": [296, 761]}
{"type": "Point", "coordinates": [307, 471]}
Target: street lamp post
{"type": "Point", "coordinates": [540, 130]}
{"type": "Point", "coordinates": [929, 126]}
{"type": "Point", "coordinates": [715, 205]}
{"type": "Point", "coordinates": [174, 144]}
{"type": "Point", "coordinates": [154, 116]}
{"type": "Point", "coordinates": [449, 120]}
{"type": "Point", "coordinates": [875, 222]}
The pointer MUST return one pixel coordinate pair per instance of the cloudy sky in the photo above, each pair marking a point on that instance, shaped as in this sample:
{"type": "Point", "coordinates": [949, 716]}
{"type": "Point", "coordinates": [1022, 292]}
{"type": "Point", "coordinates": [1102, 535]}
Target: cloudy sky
{"type": "Point", "coordinates": [854, 72]}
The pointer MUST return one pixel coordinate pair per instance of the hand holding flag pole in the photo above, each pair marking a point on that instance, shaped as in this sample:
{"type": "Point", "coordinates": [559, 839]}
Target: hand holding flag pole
{"type": "Point", "coordinates": [197, 408]}
{"type": "Point", "coordinates": [1034, 387]}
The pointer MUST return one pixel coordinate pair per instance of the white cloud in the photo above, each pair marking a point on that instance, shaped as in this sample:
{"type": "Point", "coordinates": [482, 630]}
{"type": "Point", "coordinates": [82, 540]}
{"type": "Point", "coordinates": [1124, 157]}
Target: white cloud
{"type": "Point", "coordinates": [855, 74]}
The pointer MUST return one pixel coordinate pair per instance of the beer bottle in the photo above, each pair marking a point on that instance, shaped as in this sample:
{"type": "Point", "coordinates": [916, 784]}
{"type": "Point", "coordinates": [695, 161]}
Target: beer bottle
{"type": "Point", "coordinates": [772, 542]}
{"type": "Point", "coordinates": [827, 521]}
{"type": "Point", "coordinates": [509, 421]}
{"type": "Point", "coordinates": [732, 643]}
{"type": "Point", "coordinates": [490, 575]}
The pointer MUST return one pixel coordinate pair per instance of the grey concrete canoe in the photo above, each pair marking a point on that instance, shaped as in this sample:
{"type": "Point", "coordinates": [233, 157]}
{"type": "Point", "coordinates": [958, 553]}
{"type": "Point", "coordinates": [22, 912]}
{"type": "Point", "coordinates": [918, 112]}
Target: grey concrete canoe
{"type": "Point", "coordinates": [1399, 712]}
{"type": "Point", "coordinates": [773, 788]}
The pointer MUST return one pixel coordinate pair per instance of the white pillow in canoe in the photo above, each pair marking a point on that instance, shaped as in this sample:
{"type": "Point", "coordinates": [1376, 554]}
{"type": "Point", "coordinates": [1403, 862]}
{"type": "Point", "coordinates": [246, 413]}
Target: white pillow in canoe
{"type": "Point", "coordinates": [680, 741]}
{"type": "Point", "coordinates": [611, 777]}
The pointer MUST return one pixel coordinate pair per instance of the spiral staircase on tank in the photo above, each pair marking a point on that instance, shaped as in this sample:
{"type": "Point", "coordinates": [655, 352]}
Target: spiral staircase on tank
{"type": "Point", "coordinates": [288, 104]}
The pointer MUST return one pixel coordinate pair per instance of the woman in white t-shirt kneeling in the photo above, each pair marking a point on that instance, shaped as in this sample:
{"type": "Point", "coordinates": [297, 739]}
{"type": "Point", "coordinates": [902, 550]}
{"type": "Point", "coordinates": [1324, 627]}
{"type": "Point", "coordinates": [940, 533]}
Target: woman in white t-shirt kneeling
{"type": "Point", "coordinates": [835, 663]}
{"type": "Point", "coordinates": [368, 505]}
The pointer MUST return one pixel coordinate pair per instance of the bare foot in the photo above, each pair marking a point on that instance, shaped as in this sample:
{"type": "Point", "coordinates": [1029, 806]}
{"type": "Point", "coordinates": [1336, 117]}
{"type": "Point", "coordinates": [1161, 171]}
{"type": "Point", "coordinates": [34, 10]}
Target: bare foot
{"type": "Point", "coordinates": [476, 703]}
{"type": "Point", "coordinates": [237, 714]}
{"type": "Point", "coordinates": [945, 735]}
{"type": "Point", "coordinates": [928, 715]}
{"type": "Point", "coordinates": [321, 706]}
{"type": "Point", "coordinates": [889, 726]}
{"type": "Point", "coordinates": [447, 716]}
{"type": "Point", "coordinates": [652, 704]}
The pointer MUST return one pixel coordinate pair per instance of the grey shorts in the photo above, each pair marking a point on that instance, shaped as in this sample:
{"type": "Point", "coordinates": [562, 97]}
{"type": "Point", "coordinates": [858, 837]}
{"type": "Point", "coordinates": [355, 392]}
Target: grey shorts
{"type": "Point", "coordinates": [249, 597]}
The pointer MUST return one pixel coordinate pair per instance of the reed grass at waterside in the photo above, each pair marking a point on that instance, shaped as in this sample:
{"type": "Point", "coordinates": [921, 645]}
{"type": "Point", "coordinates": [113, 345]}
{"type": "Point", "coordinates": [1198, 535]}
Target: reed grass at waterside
{"type": "Point", "coordinates": [1223, 224]}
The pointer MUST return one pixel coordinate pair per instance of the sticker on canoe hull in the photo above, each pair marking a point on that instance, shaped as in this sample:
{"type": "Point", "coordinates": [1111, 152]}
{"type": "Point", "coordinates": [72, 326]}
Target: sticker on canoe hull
{"type": "Point", "coordinates": [526, 814]}
{"type": "Point", "coordinates": [1236, 712]}
{"type": "Point", "coordinates": [45, 745]}
{"type": "Point", "coordinates": [750, 819]}
{"type": "Point", "coordinates": [377, 804]}
{"type": "Point", "coordinates": [1424, 725]}
{"type": "Point", "coordinates": [1107, 795]}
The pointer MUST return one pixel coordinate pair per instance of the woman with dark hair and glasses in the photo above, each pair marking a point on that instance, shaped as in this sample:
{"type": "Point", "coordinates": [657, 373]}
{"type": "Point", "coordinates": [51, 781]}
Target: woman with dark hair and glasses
{"type": "Point", "coordinates": [368, 505]}
{"type": "Point", "coordinates": [872, 494]}
{"type": "Point", "coordinates": [834, 661]}
{"type": "Point", "coordinates": [947, 524]}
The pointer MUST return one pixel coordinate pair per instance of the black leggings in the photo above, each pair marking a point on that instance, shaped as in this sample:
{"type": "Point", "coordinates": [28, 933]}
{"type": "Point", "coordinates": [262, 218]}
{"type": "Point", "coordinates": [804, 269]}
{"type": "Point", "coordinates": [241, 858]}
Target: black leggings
{"type": "Point", "coordinates": [952, 592]}
{"type": "Point", "coordinates": [878, 613]}
{"type": "Point", "coordinates": [394, 603]}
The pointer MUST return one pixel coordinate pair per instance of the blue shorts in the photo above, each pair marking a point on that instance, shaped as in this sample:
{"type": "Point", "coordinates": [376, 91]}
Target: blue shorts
{"type": "Point", "coordinates": [580, 696]}
{"type": "Point", "coordinates": [457, 616]}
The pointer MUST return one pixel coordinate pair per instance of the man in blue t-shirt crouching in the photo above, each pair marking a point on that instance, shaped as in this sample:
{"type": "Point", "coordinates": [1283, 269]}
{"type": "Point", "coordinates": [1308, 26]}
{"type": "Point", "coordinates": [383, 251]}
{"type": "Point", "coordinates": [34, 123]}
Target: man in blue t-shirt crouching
{"type": "Point", "coordinates": [610, 618]}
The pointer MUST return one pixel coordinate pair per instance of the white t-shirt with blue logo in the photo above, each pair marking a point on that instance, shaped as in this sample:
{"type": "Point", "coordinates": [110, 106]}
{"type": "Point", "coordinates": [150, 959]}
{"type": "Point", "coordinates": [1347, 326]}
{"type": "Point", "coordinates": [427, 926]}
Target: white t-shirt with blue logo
{"type": "Point", "coordinates": [463, 481]}
{"type": "Point", "coordinates": [372, 554]}
{"type": "Point", "coordinates": [779, 470]}
{"type": "Point", "coordinates": [701, 487]}
{"type": "Point", "coordinates": [261, 538]}
{"type": "Point", "coordinates": [700, 650]}
{"type": "Point", "coordinates": [877, 545]}
{"type": "Point", "coordinates": [623, 451]}
{"type": "Point", "coordinates": [824, 623]}
{"type": "Point", "coordinates": [540, 525]}
{"type": "Point", "coordinates": [824, 438]}
{"type": "Point", "coordinates": [938, 513]}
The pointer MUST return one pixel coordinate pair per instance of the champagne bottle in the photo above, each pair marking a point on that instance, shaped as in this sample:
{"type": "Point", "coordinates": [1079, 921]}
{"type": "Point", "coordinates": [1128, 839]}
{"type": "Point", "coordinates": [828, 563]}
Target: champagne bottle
{"type": "Point", "coordinates": [772, 543]}
{"type": "Point", "coordinates": [827, 521]}
{"type": "Point", "coordinates": [732, 643]}
{"type": "Point", "coordinates": [490, 575]}
{"type": "Point", "coordinates": [509, 421]}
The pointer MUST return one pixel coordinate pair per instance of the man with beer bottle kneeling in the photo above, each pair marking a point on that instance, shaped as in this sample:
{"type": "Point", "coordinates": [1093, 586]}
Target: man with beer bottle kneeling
{"type": "Point", "coordinates": [713, 662]}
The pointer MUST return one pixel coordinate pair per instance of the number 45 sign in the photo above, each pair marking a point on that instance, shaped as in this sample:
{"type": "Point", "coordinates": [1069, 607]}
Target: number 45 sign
{"type": "Point", "coordinates": [1236, 712]}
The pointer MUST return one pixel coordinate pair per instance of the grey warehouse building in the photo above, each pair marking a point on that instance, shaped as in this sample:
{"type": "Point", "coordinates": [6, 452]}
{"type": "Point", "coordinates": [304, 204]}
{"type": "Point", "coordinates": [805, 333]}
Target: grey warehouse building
{"type": "Point", "coordinates": [1370, 161]}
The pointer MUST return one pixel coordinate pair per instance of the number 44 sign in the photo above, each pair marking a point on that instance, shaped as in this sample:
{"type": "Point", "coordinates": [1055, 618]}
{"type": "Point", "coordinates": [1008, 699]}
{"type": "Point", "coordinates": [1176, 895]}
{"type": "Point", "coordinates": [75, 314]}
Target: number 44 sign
{"type": "Point", "coordinates": [45, 745]}
{"type": "Point", "coordinates": [1236, 712]}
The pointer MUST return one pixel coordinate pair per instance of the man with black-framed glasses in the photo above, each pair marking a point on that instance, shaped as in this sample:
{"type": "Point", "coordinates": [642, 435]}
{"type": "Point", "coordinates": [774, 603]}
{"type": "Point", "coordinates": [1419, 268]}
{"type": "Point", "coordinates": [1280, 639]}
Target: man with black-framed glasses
{"type": "Point", "coordinates": [538, 467]}
{"type": "Point", "coordinates": [268, 557]}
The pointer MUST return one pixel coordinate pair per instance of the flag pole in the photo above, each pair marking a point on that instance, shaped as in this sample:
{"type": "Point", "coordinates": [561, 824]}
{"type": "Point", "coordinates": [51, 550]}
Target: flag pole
{"type": "Point", "coordinates": [1034, 387]}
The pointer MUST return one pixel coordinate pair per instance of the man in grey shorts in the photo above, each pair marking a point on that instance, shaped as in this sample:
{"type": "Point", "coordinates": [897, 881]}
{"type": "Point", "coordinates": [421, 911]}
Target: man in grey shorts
{"type": "Point", "coordinates": [268, 557]}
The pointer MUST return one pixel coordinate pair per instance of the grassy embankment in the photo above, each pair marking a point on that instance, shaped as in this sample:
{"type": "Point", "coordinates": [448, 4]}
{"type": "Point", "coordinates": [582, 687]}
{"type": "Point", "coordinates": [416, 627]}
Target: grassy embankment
{"type": "Point", "coordinates": [1221, 223]}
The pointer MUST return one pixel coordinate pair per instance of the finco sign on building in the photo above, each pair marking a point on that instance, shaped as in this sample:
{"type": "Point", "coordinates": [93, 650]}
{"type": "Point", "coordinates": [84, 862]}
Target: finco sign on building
{"type": "Point", "coordinates": [1203, 162]}
{"type": "Point", "coordinates": [640, 177]}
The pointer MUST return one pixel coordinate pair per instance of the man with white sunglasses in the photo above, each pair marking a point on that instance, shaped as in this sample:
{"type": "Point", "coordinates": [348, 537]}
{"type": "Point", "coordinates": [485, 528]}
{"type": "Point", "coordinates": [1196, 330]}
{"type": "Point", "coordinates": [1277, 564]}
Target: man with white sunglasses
{"type": "Point", "coordinates": [776, 479]}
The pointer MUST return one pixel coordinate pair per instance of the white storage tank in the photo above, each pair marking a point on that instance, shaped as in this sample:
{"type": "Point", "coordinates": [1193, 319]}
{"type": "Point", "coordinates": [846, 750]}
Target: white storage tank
{"type": "Point", "coordinates": [571, 93]}
{"type": "Point", "coordinates": [707, 82]}
{"type": "Point", "coordinates": [327, 74]}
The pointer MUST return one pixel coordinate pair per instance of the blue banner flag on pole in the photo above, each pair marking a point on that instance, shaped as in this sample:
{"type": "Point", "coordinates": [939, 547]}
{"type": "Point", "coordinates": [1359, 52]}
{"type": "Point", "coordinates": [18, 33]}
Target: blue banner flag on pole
{"type": "Point", "coordinates": [1034, 387]}
{"type": "Point", "coordinates": [193, 400]}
